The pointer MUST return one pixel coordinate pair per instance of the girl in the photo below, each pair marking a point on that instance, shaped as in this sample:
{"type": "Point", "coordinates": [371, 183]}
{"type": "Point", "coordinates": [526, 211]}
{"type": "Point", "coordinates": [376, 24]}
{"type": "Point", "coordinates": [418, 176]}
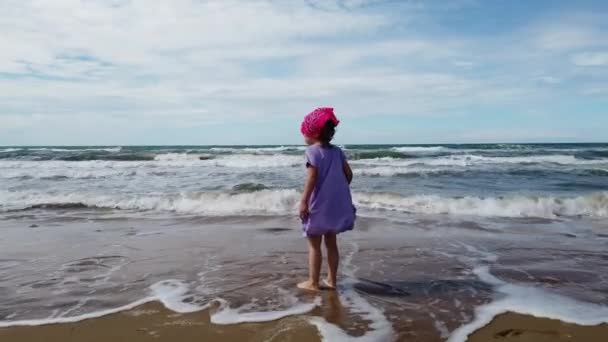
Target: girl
{"type": "Point", "coordinates": [326, 207]}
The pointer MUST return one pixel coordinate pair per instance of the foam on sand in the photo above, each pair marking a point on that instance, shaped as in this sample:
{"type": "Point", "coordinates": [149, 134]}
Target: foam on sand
{"type": "Point", "coordinates": [226, 315]}
{"type": "Point", "coordinates": [529, 300]}
{"type": "Point", "coordinates": [171, 293]}
{"type": "Point", "coordinates": [380, 329]}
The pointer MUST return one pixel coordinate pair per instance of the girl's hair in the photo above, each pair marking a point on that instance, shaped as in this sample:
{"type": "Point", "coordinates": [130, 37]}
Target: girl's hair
{"type": "Point", "coordinates": [327, 132]}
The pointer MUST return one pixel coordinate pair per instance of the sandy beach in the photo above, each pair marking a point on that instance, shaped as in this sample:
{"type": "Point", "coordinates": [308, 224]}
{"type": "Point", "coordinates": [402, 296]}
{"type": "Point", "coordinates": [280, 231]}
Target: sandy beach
{"type": "Point", "coordinates": [420, 288]}
{"type": "Point", "coordinates": [153, 322]}
{"type": "Point", "coordinates": [522, 328]}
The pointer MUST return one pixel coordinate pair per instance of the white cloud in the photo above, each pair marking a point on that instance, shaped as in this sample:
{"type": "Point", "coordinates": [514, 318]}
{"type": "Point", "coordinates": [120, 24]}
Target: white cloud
{"type": "Point", "coordinates": [591, 59]}
{"type": "Point", "coordinates": [111, 62]}
{"type": "Point", "coordinates": [184, 56]}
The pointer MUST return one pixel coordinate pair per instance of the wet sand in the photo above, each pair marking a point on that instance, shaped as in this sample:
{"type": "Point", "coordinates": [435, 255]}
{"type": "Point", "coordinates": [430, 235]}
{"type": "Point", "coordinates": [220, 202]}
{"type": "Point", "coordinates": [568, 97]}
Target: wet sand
{"type": "Point", "coordinates": [512, 327]}
{"type": "Point", "coordinates": [417, 281]}
{"type": "Point", "coordinates": [153, 322]}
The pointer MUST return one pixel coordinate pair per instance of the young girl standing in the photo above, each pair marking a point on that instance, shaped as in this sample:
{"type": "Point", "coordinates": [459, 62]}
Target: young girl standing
{"type": "Point", "coordinates": [326, 207]}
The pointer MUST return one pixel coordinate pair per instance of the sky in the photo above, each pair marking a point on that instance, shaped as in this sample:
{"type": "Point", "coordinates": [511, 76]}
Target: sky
{"type": "Point", "coordinates": [190, 72]}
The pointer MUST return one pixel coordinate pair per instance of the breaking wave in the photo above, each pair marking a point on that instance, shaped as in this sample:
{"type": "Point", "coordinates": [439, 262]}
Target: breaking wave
{"type": "Point", "coordinates": [284, 201]}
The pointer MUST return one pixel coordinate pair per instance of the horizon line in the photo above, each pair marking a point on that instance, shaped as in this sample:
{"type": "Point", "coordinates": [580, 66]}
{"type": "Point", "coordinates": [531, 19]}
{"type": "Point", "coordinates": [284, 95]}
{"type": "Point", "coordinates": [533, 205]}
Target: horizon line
{"type": "Point", "coordinates": [343, 144]}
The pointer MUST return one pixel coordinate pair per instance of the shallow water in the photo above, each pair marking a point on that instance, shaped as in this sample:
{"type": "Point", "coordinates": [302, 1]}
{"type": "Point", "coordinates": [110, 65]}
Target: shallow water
{"type": "Point", "coordinates": [421, 279]}
{"type": "Point", "coordinates": [448, 236]}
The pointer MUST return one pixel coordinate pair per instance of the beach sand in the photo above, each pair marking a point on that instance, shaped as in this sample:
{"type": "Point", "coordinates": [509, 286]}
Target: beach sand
{"type": "Point", "coordinates": [512, 327]}
{"type": "Point", "coordinates": [418, 286]}
{"type": "Point", "coordinates": [152, 322]}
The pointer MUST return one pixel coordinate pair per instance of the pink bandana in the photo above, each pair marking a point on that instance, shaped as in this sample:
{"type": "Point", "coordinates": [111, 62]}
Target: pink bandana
{"type": "Point", "coordinates": [315, 121]}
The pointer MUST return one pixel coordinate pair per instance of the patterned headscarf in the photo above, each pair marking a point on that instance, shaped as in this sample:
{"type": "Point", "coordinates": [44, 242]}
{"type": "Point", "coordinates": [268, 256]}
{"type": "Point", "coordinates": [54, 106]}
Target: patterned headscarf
{"type": "Point", "coordinates": [315, 121]}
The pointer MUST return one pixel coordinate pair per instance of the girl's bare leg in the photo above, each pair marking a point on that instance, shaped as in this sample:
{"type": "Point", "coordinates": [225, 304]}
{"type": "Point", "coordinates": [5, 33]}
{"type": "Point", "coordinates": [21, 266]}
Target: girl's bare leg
{"type": "Point", "coordinates": [333, 259]}
{"type": "Point", "coordinates": [314, 264]}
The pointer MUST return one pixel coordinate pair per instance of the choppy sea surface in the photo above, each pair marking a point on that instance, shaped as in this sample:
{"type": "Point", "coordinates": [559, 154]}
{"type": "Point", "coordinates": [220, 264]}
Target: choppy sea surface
{"type": "Point", "coordinates": [485, 226]}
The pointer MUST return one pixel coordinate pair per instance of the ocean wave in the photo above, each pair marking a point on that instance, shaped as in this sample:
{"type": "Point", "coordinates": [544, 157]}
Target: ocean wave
{"type": "Point", "coordinates": [231, 161]}
{"type": "Point", "coordinates": [257, 149]}
{"type": "Point", "coordinates": [390, 171]}
{"type": "Point", "coordinates": [264, 202]}
{"type": "Point", "coordinates": [58, 170]}
{"type": "Point", "coordinates": [472, 160]}
{"type": "Point", "coordinates": [180, 157]}
{"type": "Point", "coordinates": [408, 149]}
{"type": "Point", "coordinates": [257, 161]}
{"type": "Point", "coordinates": [166, 159]}
{"type": "Point", "coordinates": [284, 202]}
{"type": "Point", "coordinates": [597, 172]}
{"type": "Point", "coordinates": [249, 187]}
{"type": "Point", "coordinates": [592, 205]}
{"type": "Point", "coordinates": [359, 155]}
{"type": "Point", "coordinates": [54, 149]}
{"type": "Point", "coordinates": [7, 150]}
{"type": "Point", "coordinates": [91, 156]}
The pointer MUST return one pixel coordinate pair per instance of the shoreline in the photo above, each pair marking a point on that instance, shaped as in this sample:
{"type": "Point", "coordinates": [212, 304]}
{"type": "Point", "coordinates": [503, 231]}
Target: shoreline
{"type": "Point", "coordinates": [153, 322]}
{"type": "Point", "coordinates": [525, 328]}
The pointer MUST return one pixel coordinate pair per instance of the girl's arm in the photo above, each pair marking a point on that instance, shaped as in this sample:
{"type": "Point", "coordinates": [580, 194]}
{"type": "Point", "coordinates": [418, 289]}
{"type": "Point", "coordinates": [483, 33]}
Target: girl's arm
{"type": "Point", "coordinates": [311, 180]}
{"type": "Point", "coordinates": [348, 172]}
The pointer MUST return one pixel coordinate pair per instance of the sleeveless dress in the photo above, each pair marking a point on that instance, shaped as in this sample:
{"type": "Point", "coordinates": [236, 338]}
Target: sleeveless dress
{"type": "Point", "coordinates": [330, 206]}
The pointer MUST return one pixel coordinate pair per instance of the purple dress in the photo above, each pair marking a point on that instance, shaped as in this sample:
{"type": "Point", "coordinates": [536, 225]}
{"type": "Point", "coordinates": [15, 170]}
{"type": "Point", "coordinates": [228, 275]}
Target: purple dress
{"type": "Point", "coordinates": [330, 207]}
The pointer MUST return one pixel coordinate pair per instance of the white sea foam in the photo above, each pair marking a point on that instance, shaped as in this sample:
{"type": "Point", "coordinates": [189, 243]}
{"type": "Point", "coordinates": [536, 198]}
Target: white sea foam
{"type": "Point", "coordinates": [171, 293]}
{"type": "Point", "coordinates": [107, 168]}
{"type": "Point", "coordinates": [74, 173]}
{"type": "Point", "coordinates": [233, 161]}
{"type": "Point", "coordinates": [257, 149]}
{"type": "Point", "coordinates": [227, 315]}
{"type": "Point", "coordinates": [177, 157]}
{"type": "Point", "coordinates": [529, 300]}
{"type": "Point", "coordinates": [466, 160]}
{"type": "Point", "coordinates": [418, 148]}
{"type": "Point", "coordinates": [380, 329]}
{"type": "Point", "coordinates": [6, 150]}
{"type": "Point", "coordinates": [594, 205]}
{"type": "Point", "coordinates": [73, 319]}
{"type": "Point", "coordinates": [283, 202]}
{"type": "Point", "coordinates": [108, 149]}
{"type": "Point", "coordinates": [389, 171]}
{"type": "Point", "coordinates": [256, 161]}
{"type": "Point", "coordinates": [264, 202]}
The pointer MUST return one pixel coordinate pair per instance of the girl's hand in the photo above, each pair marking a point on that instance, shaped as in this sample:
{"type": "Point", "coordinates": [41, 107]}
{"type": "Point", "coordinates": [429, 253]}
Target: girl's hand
{"type": "Point", "coordinates": [304, 210]}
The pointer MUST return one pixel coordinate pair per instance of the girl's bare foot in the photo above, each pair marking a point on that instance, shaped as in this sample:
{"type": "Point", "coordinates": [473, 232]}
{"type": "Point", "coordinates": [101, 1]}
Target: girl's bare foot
{"type": "Point", "coordinates": [328, 284]}
{"type": "Point", "coordinates": [308, 285]}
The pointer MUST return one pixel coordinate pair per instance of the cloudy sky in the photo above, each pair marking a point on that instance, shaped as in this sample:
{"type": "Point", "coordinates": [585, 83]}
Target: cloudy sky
{"type": "Point", "coordinates": [114, 72]}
